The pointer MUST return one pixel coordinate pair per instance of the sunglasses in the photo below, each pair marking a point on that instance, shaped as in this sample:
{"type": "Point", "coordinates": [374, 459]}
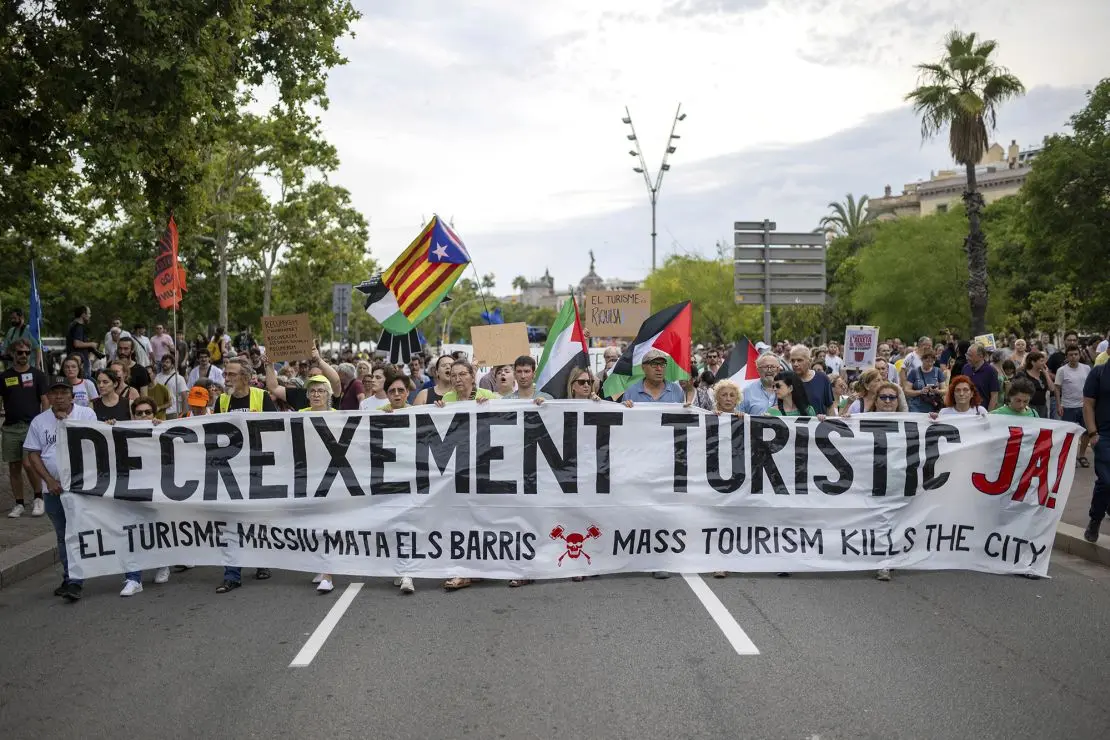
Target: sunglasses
{"type": "Point", "coordinates": [582, 381]}
{"type": "Point", "coordinates": [780, 385]}
{"type": "Point", "coordinates": [888, 398]}
{"type": "Point", "coordinates": [21, 352]}
{"type": "Point", "coordinates": [142, 413]}
{"type": "Point", "coordinates": [657, 363]}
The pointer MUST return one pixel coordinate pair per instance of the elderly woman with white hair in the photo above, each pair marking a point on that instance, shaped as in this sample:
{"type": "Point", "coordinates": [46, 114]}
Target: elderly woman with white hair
{"type": "Point", "coordinates": [726, 400]}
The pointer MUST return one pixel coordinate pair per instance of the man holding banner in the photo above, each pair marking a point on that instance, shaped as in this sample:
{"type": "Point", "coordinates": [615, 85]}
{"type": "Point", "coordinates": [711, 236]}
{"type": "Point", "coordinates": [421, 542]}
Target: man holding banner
{"type": "Point", "coordinates": [243, 397]}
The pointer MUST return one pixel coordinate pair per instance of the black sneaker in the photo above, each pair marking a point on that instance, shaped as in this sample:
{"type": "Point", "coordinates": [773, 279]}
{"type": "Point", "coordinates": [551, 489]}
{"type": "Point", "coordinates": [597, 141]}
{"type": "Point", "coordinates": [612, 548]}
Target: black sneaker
{"type": "Point", "coordinates": [73, 592]}
{"type": "Point", "coordinates": [226, 586]}
{"type": "Point", "coordinates": [1091, 534]}
{"type": "Point", "coordinates": [61, 590]}
{"type": "Point", "coordinates": [262, 574]}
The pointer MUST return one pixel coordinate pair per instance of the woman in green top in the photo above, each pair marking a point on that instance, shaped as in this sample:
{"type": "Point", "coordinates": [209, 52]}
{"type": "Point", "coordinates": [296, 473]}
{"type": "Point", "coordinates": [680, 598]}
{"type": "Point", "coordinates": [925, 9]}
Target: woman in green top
{"type": "Point", "coordinates": [318, 390]}
{"type": "Point", "coordinates": [790, 394]}
{"type": "Point", "coordinates": [463, 386]}
{"type": "Point", "coordinates": [1019, 396]}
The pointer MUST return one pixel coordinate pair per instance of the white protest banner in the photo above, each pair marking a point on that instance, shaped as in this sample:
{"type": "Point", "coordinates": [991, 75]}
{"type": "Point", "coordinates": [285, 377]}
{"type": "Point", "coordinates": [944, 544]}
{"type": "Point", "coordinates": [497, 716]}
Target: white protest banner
{"type": "Point", "coordinates": [512, 490]}
{"type": "Point", "coordinates": [860, 346]}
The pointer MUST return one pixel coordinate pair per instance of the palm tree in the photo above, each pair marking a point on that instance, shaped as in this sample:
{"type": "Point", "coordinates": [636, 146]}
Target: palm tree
{"type": "Point", "coordinates": [520, 283]}
{"type": "Point", "coordinates": [847, 218]}
{"type": "Point", "coordinates": [963, 91]}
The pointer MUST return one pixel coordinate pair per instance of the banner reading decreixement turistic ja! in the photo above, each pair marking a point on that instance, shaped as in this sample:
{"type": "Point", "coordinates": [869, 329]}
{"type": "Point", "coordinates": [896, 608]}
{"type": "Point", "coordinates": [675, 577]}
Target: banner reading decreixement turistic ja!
{"type": "Point", "coordinates": [509, 489]}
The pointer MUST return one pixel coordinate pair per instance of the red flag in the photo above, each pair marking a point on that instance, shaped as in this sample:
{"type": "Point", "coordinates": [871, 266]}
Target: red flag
{"type": "Point", "coordinates": [169, 275]}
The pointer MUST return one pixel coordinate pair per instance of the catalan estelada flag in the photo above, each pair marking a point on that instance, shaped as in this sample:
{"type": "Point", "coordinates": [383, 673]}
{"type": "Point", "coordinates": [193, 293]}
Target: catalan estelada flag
{"type": "Point", "coordinates": [418, 280]}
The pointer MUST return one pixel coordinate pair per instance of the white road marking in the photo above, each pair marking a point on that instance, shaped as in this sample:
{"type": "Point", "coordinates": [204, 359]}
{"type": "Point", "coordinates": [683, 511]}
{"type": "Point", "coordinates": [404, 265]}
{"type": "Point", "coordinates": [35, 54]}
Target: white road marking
{"type": "Point", "coordinates": [316, 641]}
{"type": "Point", "coordinates": [733, 632]}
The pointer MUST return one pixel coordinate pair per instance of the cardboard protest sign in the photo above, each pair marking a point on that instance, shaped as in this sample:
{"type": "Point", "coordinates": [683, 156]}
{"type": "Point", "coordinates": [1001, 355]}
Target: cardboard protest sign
{"type": "Point", "coordinates": [987, 340]}
{"type": "Point", "coordinates": [499, 344]}
{"type": "Point", "coordinates": [288, 337]}
{"type": "Point", "coordinates": [860, 346]}
{"type": "Point", "coordinates": [615, 313]}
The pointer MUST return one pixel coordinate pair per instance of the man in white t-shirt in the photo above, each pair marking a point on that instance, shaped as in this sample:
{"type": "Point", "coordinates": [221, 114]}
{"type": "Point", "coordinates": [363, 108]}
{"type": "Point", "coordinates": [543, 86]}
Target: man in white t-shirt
{"type": "Point", "coordinates": [1070, 378]}
{"type": "Point", "coordinates": [41, 447]}
{"type": "Point", "coordinates": [912, 360]}
{"type": "Point", "coordinates": [834, 363]}
{"type": "Point", "coordinates": [175, 384]}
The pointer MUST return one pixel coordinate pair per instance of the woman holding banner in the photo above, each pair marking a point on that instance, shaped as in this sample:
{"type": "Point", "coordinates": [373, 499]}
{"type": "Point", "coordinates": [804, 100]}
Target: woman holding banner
{"type": "Point", "coordinates": [962, 399]}
{"type": "Point", "coordinates": [318, 390]}
{"type": "Point", "coordinates": [790, 396]}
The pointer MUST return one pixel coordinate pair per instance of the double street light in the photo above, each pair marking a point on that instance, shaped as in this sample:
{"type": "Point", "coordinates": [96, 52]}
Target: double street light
{"type": "Point", "coordinates": [653, 188]}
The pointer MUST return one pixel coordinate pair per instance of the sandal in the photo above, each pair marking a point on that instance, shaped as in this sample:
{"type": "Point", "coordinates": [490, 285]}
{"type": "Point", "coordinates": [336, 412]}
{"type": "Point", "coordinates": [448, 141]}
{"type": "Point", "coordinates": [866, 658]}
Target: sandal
{"type": "Point", "coordinates": [720, 574]}
{"type": "Point", "coordinates": [262, 574]}
{"type": "Point", "coordinates": [454, 584]}
{"type": "Point", "coordinates": [1083, 462]}
{"type": "Point", "coordinates": [518, 582]}
{"type": "Point", "coordinates": [226, 586]}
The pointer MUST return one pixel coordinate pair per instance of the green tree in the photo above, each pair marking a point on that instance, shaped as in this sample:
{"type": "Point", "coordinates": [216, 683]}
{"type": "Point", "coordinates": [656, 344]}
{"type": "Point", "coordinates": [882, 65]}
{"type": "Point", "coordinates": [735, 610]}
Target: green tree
{"type": "Point", "coordinates": [1067, 211]}
{"type": "Point", "coordinates": [708, 284]}
{"type": "Point", "coordinates": [962, 91]}
{"type": "Point", "coordinates": [847, 218]}
{"type": "Point", "coordinates": [520, 283]}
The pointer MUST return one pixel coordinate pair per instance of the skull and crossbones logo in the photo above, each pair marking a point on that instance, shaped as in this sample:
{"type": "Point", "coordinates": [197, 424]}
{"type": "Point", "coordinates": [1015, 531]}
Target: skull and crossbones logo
{"type": "Point", "coordinates": [574, 542]}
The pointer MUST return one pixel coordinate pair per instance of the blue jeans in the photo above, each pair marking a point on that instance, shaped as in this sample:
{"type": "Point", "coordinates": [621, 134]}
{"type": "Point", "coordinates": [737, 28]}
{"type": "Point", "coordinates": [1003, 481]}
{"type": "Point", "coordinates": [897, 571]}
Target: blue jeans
{"type": "Point", "coordinates": [233, 573]}
{"type": "Point", "coordinates": [57, 514]}
{"type": "Point", "coordinates": [1100, 497]}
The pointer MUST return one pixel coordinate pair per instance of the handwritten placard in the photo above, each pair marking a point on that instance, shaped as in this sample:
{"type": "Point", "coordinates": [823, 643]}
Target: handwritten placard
{"type": "Point", "coordinates": [616, 313]}
{"type": "Point", "coordinates": [288, 337]}
{"type": "Point", "coordinates": [499, 344]}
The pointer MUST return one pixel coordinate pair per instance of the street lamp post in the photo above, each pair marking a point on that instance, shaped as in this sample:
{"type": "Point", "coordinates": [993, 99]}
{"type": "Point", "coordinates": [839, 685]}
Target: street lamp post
{"type": "Point", "coordinates": [653, 188]}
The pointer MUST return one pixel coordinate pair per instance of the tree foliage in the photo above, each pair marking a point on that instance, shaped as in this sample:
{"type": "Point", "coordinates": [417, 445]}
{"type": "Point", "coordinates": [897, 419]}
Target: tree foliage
{"type": "Point", "coordinates": [847, 218]}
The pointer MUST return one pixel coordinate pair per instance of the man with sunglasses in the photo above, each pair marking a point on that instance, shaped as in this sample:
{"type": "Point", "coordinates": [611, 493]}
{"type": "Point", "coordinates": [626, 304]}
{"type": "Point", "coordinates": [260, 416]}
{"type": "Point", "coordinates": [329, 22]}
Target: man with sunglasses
{"type": "Point", "coordinates": [23, 389]}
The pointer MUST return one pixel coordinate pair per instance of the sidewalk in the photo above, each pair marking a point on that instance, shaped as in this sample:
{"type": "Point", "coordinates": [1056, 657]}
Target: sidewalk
{"type": "Point", "coordinates": [27, 544]}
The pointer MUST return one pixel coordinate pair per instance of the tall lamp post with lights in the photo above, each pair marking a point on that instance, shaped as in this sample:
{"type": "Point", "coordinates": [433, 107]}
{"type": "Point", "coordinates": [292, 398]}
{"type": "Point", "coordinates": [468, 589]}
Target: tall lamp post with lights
{"type": "Point", "coordinates": [653, 188]}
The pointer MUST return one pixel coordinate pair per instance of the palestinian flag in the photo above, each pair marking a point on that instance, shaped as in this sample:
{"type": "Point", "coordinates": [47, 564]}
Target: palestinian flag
{"type": "Point", "coordinates": [740, 365]}
{"type": "Point", "coordinates": [564, 352]}
{"type": "Point", "coordinates": [668, 331]}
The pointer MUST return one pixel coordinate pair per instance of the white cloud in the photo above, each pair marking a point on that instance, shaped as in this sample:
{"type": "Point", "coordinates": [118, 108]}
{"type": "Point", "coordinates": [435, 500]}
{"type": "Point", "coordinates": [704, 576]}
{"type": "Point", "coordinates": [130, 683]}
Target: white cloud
{"type": "Point", "coordinates": [506, 115]}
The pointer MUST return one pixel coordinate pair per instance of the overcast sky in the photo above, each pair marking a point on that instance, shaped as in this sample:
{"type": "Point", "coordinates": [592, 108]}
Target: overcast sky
{"type": "Point", "coordinates": [506, 115]}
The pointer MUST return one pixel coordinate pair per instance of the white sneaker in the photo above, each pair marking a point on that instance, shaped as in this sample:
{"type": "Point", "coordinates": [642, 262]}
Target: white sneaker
{"type": "Point", "coordinates": [162, 575]}
{"type": "Point", "coordinates": [318, 577]}
{"type": "Point", "coordinates": [38, 508]}
{"type": "Point", "coordinates": [16, 512]}
{"type": "Point", "coordinates": [883, 574]}
{"type": "Point", "coordinates": [406, 585]}
{"type": "Point", "coordinates": [130, 588]}
{"type": "Point", "coordinates": [325, 585]}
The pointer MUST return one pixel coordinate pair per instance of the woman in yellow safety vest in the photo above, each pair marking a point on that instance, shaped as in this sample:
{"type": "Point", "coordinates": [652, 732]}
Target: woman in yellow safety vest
{"type": "Point", "coordinates": [318, 390]}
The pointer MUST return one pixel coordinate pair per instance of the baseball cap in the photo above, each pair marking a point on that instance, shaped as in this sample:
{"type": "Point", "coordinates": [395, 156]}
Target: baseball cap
{"type": "Point", "coordinates": [61, 384]}
{"type": "Point", "coordinates": [653, 354]}
{"type": "Point", "coordinates": [198, 396]}
{"type": "Point", "coordinates": [318, 379]}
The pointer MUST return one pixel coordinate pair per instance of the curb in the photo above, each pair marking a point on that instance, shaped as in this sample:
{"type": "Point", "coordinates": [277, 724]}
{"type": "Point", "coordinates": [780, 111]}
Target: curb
{"type": "Point", "coordinates": [1069, 539]}
{"type": "Point", "coordinates": [23, 561]}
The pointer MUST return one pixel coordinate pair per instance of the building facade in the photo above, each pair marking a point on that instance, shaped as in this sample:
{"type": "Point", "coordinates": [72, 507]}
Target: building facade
{"type": "Point", "coordinates": [541, 292]}
{"type": "Point", "coordinates": [1000, 173]}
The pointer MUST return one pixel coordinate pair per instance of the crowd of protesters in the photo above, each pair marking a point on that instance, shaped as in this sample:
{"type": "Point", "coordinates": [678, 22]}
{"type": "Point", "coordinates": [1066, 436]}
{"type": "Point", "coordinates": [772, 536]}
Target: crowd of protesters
{"type": "Point", "coordinates": [130, 376]}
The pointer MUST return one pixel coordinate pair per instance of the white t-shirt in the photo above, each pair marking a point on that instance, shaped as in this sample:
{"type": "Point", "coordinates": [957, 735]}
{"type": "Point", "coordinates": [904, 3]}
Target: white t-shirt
{"type": "Point", "coordinates": [84, 393]}
{"type": "Point", "coordinates": [42, 435]}
{"type": "Point", "coordinates": [835, 363]}
{"type": "Point", "coordinates": [177, 387]}
{"type": "Point", "coordinates": [1102, 346]}
{"type": "Point", "coordinates": [1071, 384]}
{"type": "Point", "coordinates": [972, 411]}
{"type": "Point", "coordinates": [215, 374]}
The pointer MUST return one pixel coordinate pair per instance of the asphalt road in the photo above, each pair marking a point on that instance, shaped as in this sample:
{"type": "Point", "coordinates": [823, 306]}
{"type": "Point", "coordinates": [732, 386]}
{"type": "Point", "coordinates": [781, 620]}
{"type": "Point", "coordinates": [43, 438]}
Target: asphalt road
{"type": "Point", "coordinates": [929, 655]}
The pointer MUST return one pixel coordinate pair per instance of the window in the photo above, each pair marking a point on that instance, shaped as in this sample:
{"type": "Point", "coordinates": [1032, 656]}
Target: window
{"type": "Point", "coordinates": [942, 208]}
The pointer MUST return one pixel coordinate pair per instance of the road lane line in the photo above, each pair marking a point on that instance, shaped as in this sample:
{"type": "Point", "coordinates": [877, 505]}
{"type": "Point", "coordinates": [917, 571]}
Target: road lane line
{"type": "Point", "coordinates": [733, 632]}
{"type": "Point", "coordinates": [316, 639]}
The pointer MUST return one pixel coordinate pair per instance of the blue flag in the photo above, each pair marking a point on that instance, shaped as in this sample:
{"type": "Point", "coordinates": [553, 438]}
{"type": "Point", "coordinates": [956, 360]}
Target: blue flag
{"type": "Point", "coordinates": [36, 309]}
